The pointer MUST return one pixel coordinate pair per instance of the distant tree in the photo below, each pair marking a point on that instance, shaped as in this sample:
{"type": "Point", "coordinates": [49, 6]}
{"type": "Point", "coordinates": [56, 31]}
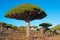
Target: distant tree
{"type": "Point", "coordinates": [45, 27]}
{"type": "Point", "coordinates": [14, 28]}
{"type": "Point", "coordinates": [8, 26]}
{"type": "Point", "coordinates": [2, 23]}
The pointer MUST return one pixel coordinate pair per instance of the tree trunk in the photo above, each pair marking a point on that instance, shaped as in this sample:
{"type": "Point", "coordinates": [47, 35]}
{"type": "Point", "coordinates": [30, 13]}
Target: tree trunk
{"type": "Point", "coordinates": [27, 29]}
{"type": "Point", "coordinates": [0, 28]}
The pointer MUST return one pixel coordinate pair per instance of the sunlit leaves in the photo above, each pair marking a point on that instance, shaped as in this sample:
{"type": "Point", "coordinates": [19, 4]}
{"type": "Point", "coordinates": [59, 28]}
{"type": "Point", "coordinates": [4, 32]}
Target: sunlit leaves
{"type": "Point", "coordinates": [26, 12]}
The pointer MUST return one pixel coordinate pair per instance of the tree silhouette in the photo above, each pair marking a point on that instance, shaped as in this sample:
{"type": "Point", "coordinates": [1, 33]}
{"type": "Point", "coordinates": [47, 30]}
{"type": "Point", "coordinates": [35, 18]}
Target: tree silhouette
{"type": "Point", "coordinates": [14, 28]}
{"type": "Point", "coordinates": [26, 12]}
{"type": "Point", "coordinates": [45, 27]}
{"type": "Point", "coordinates": [8, 26]}
{"type": "Point", "coordinates": [45, 32]}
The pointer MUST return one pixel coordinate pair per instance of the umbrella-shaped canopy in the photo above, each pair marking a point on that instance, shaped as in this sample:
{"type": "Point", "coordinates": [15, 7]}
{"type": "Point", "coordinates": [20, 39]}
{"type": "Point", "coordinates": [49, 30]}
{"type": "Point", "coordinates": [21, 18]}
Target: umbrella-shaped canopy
{"type": "Point", "coordinates": [26, 12]}
{"type": "Point", "coordinates": [45, 24]}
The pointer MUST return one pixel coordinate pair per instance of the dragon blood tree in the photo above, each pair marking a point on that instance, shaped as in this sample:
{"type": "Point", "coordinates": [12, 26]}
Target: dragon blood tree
{"type": "Point", "coordinates": [26, 12]}
{"type": "Point", "coordinates": [45, 26]}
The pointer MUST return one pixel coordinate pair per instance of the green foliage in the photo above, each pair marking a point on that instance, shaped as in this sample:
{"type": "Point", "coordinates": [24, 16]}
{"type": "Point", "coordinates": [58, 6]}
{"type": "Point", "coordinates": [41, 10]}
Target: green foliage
{"type": "Point", "coordinates": [2, 23]}
{"type": "Point", "coordinates": [22, 8]}
{"type": "Point", "coordinates": [6, 25]}
{"type": "Point", "coordinates": [26, 12]}
{"type": "Point", "coordinates": [14, 27]}
{"type": "Point", "coordinates": [57, 27]}
{"type": "Point", "coordinates": [45, 25]}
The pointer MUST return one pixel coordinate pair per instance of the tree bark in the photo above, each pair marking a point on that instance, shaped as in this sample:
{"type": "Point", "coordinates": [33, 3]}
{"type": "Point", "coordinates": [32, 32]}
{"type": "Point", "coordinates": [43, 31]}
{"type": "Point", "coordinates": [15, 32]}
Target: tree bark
{"type": "Point", "coordinates": [27, 28]}
{"type": "Point", "coordinates": [1, 28]}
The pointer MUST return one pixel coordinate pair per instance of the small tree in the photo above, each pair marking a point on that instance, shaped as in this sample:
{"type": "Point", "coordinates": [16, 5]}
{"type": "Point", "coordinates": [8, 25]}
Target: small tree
{"type": "Point", "coordinates": [45, 27]}
{"type": "Point", "coordinates": [1, 25]}
{"type": "Point", "coordinates": [8, 26]}
{"type": "Point", "coordinates": [14, 28]}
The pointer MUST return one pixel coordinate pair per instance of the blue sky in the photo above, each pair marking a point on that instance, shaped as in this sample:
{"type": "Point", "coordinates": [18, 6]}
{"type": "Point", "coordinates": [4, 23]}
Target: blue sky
{"type": "Point", "coordinates": [51, 7]}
